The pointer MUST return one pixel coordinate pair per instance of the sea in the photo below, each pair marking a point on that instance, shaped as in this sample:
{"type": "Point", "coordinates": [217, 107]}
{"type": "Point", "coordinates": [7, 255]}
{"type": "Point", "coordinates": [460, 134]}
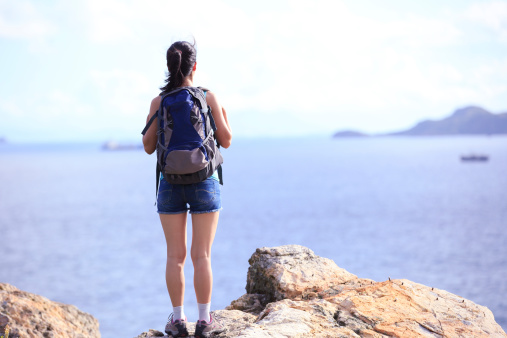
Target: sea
{"type": "Point", "coordinates": [78, 223]}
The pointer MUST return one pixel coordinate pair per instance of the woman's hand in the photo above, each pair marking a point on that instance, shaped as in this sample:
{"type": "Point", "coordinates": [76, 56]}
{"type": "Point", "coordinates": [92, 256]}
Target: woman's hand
{"type": "Point", "coordinates": [150, 138]}
{"type": "Point", "coordinates": [224, 132]}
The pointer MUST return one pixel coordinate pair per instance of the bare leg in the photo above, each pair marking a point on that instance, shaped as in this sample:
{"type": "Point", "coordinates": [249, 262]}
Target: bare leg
{"type": "Point", "coordinates": [175, 230]}
{"type": "Point", "coordinates": [204, 227]}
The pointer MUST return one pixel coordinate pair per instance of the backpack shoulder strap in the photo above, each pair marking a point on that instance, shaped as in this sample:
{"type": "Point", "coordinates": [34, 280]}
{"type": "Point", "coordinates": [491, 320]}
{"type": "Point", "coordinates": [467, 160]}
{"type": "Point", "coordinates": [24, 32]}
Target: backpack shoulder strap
{"type": "Point", "coordinates": [208, 111]}
{"type": "Point", "coordinates": [199, 95]}
{"type": "Point", "coordinates": [214, 127]}
{"type": "Point", "coordinates": [149, 123]}
{"type": "Point", "coordinates": [163, 95]}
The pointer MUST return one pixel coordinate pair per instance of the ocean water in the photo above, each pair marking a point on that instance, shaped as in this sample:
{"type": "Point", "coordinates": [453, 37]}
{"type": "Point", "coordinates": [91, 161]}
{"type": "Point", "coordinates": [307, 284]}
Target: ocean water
{"type": "Point", "coordinates": [78, 224]}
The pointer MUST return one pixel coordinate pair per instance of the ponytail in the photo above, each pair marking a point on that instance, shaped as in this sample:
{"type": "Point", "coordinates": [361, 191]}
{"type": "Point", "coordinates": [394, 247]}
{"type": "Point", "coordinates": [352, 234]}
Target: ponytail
{"type": "Point", "coordinates": [180, 58]}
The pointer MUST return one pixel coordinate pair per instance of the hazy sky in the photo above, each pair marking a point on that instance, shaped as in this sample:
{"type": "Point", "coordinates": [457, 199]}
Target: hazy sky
{"type": "Point", "coordinates": [87, 70]}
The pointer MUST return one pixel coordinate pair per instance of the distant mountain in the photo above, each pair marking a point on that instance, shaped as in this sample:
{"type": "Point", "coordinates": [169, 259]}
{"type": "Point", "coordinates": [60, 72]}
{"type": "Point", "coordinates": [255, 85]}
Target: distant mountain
{"type": "Point", "coordinates": [465, 121]}
{"type": "Point", "coordinates": [468, 120]}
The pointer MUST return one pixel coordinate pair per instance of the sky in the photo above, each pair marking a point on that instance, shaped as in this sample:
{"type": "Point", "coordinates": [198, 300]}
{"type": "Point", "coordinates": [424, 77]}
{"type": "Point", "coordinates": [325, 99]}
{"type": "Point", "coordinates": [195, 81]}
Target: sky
{"type": "Point", "coordinates": [73, 71]}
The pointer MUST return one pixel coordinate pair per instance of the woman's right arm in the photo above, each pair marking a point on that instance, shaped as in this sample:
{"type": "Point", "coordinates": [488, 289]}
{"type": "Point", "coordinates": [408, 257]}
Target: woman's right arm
{"type": "Point", "coordinates": [150, 138]}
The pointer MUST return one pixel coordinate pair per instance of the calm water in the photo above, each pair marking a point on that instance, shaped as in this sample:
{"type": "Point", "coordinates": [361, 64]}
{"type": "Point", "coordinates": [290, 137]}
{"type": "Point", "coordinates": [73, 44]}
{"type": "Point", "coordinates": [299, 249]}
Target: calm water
{"type": "Point", "coordinates": [78, 224]}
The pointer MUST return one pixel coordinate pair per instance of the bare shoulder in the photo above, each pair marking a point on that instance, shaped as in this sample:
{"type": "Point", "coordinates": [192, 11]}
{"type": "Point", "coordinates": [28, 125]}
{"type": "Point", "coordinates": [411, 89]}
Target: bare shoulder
{"type": "Point", "coordinates": [156, 101]}
{"type": "Point", "coordinates": [210, 97]}
{"type": "Point", "coordinates": [155, 104]}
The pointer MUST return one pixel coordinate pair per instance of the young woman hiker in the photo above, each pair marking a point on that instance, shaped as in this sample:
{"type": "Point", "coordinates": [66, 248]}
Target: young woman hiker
{"type": "Point", "coordinates": [202, 199]}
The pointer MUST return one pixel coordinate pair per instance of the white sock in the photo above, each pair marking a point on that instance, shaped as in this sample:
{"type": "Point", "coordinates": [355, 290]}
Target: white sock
{"type": "Point", "coordinates": [178, 312]}
{"type": "Point", "coordinates": [204, 311]}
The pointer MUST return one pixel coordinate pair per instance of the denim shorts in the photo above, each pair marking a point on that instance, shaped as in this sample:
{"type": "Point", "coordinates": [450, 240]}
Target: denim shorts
{"type": "Point", "coordinates": [200, 198]}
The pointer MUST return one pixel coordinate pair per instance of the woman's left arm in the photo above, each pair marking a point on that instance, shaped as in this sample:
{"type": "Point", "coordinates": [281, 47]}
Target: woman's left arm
{"type": "Point", "coordinates": [224, 132]}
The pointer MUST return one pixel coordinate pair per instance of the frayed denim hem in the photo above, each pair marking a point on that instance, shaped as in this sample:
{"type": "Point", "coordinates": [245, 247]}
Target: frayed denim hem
{"type": "Point", "coordinates": [205, 212]}
{"type": "Point", "coordinates": [172, 212]}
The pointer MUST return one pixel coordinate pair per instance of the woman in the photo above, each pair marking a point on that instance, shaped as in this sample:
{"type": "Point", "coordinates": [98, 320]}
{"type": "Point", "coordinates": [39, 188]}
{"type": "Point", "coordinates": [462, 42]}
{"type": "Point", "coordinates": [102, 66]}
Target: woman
{"type": "Point", "coordinates": [172, 206]}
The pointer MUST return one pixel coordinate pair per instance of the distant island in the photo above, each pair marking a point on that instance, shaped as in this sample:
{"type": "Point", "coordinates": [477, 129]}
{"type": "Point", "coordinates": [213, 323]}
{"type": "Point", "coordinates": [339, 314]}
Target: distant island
{"type": "Point", "coordinates": [470, 120]}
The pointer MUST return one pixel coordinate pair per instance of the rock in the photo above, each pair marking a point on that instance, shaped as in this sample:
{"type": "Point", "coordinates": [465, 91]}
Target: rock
{"type": "Point", "coordinates": [30, 315]}
{"type": "Point", "coordinates": [287, 318]}
{"type": "Point", "coordinates": [291, 292]}
{"type": "Point", "coordinates": [292, 271]}
{"type": "Point", "coordinates": [234, 320]}
{"type": "Point", "coordinates": [151, 333]}
{"type": "Point", "coordinates": [250, 303]}
{"type": "Point", "coordinates": [401, 308]}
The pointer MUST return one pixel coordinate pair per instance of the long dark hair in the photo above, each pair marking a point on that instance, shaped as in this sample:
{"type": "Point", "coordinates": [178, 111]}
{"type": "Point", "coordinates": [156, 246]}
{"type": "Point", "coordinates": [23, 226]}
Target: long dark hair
{"type": "Point", "coordinates": [180, 62]}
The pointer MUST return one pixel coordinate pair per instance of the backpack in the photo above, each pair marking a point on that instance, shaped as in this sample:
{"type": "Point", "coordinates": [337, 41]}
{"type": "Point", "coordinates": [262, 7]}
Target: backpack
{"type": "Point", "coordinates": [187, 151]}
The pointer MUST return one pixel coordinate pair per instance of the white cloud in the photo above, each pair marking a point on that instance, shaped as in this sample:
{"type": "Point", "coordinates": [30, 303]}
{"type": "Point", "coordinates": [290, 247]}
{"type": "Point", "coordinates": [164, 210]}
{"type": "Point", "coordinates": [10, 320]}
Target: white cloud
{"type": "Point", "coordinates": [10, 108]}
{"type": "Point", "coordinates": [213, 21]}
{"type": "Point", "coordinates": [492, 14]}
{"type": "Point", "coordinates": [309, 61]}
{"type": "Point", "coordinates": [122, 91]}
{"type": "Point", "coordinates": [320, 57]}
{"type": "Point", "coordinates": [422, 32]}
{"type": "Point", "coordinates": [109, 20]}
{"type": "Point", "coordinates": [264, 61]}
{"type": "Point", "coordinates": [370, 65]}
{"type": "Point", "coordinates": [490, 80]}
{"type": "Point", "coordinates": [21, 19]}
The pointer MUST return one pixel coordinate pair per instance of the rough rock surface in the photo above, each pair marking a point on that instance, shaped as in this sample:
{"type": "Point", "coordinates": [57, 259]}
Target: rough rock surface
{"type": "Point", "coordinates": [292, 271]}
{"type": "Point", "coordinates": [291, 292]}
{"type": "Point", "coordinates": [28, 315]}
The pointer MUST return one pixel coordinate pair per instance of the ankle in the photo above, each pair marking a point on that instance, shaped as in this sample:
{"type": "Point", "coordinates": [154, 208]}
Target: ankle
{"type": "Point", "coordinates": [178, 312]}
{"type": "Point", "coordinates": [204, 312]}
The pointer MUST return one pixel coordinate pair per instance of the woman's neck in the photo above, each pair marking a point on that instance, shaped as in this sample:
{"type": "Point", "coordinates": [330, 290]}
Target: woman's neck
{"type": "Point", "coordinates": [188, 81]}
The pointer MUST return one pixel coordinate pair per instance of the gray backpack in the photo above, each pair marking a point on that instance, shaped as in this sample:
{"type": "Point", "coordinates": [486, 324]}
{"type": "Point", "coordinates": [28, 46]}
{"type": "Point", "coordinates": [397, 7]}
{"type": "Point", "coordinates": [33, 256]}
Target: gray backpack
{"type": "Point", "coordinates": [187, 151]}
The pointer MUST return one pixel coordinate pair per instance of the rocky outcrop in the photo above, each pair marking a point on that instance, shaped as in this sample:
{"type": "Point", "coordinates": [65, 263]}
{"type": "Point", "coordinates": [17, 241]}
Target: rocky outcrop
{"type": "Point", "coordinates": [28, 315]}
{"type": "Point", "coordinates": [291, 292]}
{"type": "Point", "coordinates": [292, 271]}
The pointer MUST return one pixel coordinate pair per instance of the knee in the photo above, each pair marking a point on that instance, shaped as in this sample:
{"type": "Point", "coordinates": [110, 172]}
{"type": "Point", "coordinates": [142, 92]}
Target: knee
{"type": "Point", "coordinates": [200, 257]}
{"type": "Point", "coordinates": [176, 257]}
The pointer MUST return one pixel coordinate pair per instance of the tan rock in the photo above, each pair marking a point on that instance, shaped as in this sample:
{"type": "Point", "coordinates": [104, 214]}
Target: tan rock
{"type": "Point", "coordinates": [29, 315]}
{"type": "Point", "coordinates": [235, 322]}
{"type": "Point", "coordinates": [292, 271]}
{"type": "Point", "coordinates": [250, 303]}
{"type": "Point", "coordinates": [151, 333]}
{"type": "Point", "coordinates": [294, 293]}
{"type": "Point", "coordinates": [286, 318]}
{"type": "Point", "coordinates": [397, 308]}
{"type": "Point", "coordinates": [401, 308]}
{"type": "Point", "coordinates": [313, 318]}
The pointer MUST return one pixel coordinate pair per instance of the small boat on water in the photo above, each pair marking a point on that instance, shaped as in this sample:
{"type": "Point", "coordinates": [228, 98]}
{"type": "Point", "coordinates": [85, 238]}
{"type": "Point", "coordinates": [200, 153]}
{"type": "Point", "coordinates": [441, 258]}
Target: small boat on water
{"type": "Point", "coordinates": [474, 158]}
{"type": "Point", "coordinates": [112, 145]}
